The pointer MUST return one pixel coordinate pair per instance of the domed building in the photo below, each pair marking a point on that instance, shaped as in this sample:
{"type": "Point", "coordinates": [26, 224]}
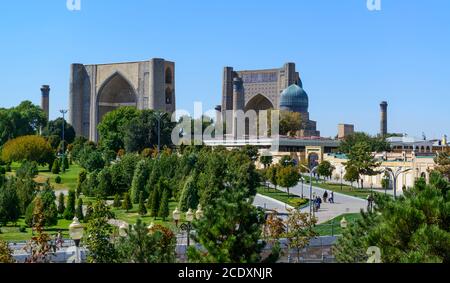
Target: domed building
{"type": "Point", "coordinates": [259, 90]}
{"type": "Point", "coordinates": [295, 99]}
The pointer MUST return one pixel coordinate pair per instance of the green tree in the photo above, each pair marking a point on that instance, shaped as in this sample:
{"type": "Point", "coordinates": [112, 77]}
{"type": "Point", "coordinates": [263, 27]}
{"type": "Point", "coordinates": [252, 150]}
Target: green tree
{"type": "Point", "coordinates": [30, 148]}
{"type": "Point", "coordinates": [98, 233]}
{"type": "Point", "coordinates": [164, 207]}
{"type": "Point", "coordinates": [82, 176]}
{"type": "Point", "coordinates": [110, 128]}
{"type": "Point", "coordinates": [230, 231]}
{"type": "Point", "coordinates": [79, 211]}
{"type": "Point", "coordinates": [91, 159]}
{"type": "Point", "coordinates": [361, 159]}
{"type": "Point", "coordinates": [47, 199]}
{"type": "Point", "coordinates": [104, 187]}
{"type": "Point", "coordinates": [142, 209]}
{"type": "Point", "coordinates": [61, 204]}
{"type": "Point", "coordinates": [251, 151]}
{"type": "Point", "coordinates": [189, 196]}
{"type": "Point", "coordinates": [288, 177]}
{"type": "Point", "coordinates": [351, 174]}
{"type": "Point", "coordinates": [54, 128]}
{"type": "Point", "coordinates": [117, 203]}
{"type": "Point", "coordinates": [69, 212]}
{"type": "Point", "coordinates": [412, 229]}
{"type": "Point", "coordinates": [272, 173]}
{"type": "Point", "coordinates": [155, 203]}
{"type": "Point", "coordinates": [140, 178]}
{"type": "Point", "coordinates": [325, 169]}
{"type": "Point", "coordinates": [286, 161]}
{"type": "Point", "coordinates": [375, 144]}
{"type": "Point", "coordinates": [127, 204]}
{"type": "Point", "coordinates": [140, 246]}
{"type": "Point", "coordinates": [25, 119]}
{"type": "Point", "coordinates": [9, 203]}
{"type": "Point", "coordinates": [26, 191]}
{"type": "Point", "coordinates": [266, 160]}
{"type": "Point", "coordinates": [56, 168]}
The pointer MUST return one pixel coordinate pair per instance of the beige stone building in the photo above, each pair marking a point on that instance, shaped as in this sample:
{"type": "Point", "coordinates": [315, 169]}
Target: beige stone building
{"type": "Point", "coordinates": [419, 165]}
{"type": "Point", "coordinates": [98, 89]}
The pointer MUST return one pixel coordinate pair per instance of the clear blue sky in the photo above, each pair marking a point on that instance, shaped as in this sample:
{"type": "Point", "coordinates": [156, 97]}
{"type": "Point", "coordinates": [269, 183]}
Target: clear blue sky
{"type": "Point", "coordinates": [350, 59]}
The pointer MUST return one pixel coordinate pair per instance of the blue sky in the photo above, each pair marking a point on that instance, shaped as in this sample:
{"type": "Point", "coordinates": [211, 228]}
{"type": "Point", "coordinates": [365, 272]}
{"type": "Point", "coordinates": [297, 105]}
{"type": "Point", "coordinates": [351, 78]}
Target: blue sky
{"type": "Point", "coordinates": [350, 58]}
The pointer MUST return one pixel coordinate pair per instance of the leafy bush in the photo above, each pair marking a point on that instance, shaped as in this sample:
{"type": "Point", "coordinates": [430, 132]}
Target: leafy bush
{"type": "Point", "coordinates": [23, 229]}
{"type": "Point", "coordinates": [30, 148]}
{"type": "Point", "coordinates": [58, 180]}
{"type": "Point", "coordinates": [2, 170]}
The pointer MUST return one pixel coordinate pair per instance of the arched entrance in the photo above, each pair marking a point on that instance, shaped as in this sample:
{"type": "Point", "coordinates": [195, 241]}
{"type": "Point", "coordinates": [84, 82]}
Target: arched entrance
{"type": "Point", "coordinates": [116, 92]}
{"type": "Point", "coordinates": [259, 102]}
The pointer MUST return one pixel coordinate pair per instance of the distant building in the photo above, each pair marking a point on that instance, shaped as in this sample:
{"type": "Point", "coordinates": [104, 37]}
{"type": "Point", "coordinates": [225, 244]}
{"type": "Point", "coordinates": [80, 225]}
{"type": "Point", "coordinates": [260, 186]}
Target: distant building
{"type": "Point", "coordinates": [277, 89]}
{"type": "Point", "coordinates": [345, 130]}
{"type": "Point", "coordinates": [98, 89]}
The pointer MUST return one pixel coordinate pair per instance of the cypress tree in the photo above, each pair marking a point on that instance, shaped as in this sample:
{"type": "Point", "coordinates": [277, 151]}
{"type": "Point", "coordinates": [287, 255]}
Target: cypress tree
{"type": "Point", "coordinates": [79, 212]}
{"type": "Point", "coordinates": [61, 206]}
{"type": "Point", "coordinates": [142, 209]}
{"type": "Point", "coordinates": [126, 204]}
{"type": "Point", "coordinates": [155, 203]}
{"type": "Point", "coordinates": [56, 168]}
{"type": "Point", "coordinates": [189, 196]}
{"type": "Point", "coordinates": [116, 202]}
{"type": "Point", "coordinates": [164, 206]}
{"type": "Point", "coordinates": [69, 213]}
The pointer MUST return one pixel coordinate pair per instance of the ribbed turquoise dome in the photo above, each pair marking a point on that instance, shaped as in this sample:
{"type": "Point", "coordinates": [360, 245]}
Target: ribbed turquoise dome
{"type": "Point", "coordinates": [294, 99]}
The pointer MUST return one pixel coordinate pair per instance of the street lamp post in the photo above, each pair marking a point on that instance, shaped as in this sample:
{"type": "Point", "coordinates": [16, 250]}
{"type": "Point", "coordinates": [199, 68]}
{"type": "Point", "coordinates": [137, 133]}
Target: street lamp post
{"type": "Point", "coordinates": [190, 215]}
{"type": "Point", "coordinates": [302, 187]}
{"type": "Point", "coordinates": [76, 231]}
{"type": "Point", "coordinates": [311, 171]}
{"type": "Point", "coordinates": [63, 112]}
{"type": "Point", "coordinates": [342, 171]}
{"type": "Point", "coordinates": [394, 175]}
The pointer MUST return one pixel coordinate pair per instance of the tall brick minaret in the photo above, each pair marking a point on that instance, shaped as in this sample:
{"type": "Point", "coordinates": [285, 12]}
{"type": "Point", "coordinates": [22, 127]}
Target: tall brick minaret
{"type": "Point", "coordinates": [45, 99]}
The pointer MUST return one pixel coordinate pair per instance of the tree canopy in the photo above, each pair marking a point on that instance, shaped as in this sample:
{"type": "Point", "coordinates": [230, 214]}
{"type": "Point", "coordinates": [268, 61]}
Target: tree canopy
{"type": "Point", "coordinates": [30, 148]}
{"type": "Point", "coordinates": [375, 144]}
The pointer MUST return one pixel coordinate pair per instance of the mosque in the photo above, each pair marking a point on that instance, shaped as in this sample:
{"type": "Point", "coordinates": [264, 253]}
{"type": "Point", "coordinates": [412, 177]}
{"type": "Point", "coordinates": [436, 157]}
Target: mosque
{"type": "Point", "coordinates": [275, 89]}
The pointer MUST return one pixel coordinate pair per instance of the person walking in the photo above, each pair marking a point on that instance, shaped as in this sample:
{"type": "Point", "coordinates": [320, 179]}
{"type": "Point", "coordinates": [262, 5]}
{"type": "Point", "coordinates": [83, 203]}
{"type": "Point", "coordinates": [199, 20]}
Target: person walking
{"type": "Point", "coordinates": [325, 196]}
{"type": "Point", "coordinates": [332, 197]}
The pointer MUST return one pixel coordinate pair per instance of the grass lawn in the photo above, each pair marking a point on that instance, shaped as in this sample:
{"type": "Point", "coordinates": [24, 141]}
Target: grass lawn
{"type": "Point", "coordinates": [132, 216]}
{"type": "Point", "coordinates": [69, 178]}
{"type": "Point", "coordinates": [12, 233]}
{"type": "Point", "coordinates": [282, 196]}
{"type": "Point", "coordinates": [333, 227]}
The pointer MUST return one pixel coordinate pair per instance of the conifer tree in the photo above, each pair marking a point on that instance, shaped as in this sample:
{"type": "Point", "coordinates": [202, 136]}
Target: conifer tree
{"type": "Point", "coordinates": [189, 196]}
{"type": "Point", "coordinates": [79, 211]}
{"type": "Point", "coordinates": [69, 212]}
{"type": "Point", "coordinates": [142, 208]}
{"type": "Point", "coordinates": [117, 202]}
{"type": "Point", "coordinates": [61, 205]}
{"type": "Point", "coordinates": [56, 168]}
{"type": "Point", "coordinates": [164, 206]}
{"type": "Point", "coordinates": [229, 231]}
{"type": "Point", "coordinates": [126, 204]}
{"type": "Point", "coordinates": [155, 203]}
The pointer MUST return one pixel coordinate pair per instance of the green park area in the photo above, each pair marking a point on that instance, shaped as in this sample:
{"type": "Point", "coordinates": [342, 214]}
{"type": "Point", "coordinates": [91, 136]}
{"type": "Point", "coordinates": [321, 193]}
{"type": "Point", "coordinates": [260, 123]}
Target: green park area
{"type": "Point", "coordinates": [290, 199]}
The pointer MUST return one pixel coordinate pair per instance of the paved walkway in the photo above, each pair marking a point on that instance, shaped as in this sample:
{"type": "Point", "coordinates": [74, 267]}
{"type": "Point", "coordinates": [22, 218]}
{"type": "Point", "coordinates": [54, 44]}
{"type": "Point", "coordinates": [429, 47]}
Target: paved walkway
{"type": "Point", "coordinates": [271, 204]}
{"type": "Point", "coordinates": [343, 203]}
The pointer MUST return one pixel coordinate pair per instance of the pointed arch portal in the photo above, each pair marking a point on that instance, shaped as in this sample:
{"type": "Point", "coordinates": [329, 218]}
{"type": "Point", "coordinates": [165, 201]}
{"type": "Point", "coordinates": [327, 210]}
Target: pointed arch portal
{"type": "Point", "coordinates": [116, 92]}
{"type": "Point", "coordinates": [259, 102]}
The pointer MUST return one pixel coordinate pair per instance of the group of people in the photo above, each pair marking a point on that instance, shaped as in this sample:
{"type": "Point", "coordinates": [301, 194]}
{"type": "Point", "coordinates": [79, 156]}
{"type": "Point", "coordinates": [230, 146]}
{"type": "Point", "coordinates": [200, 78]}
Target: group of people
{"type": "Point", "coordinates": [317, 201]}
